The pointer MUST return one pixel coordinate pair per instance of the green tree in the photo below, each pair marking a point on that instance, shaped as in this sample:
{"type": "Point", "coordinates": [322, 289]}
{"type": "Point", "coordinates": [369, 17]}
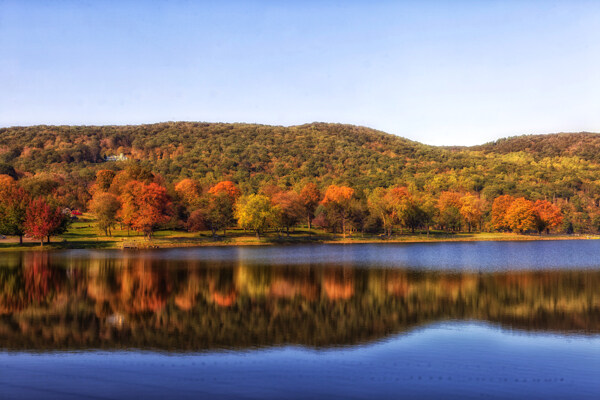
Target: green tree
{"type": "Point", "coordinates": [105, 207]}
{"type": "Point", "coordinates": [255, 212]}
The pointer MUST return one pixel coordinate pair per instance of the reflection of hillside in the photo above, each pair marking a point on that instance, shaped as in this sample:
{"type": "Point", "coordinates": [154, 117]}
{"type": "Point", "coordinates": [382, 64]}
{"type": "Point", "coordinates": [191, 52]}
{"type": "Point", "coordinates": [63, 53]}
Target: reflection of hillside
{"type": "Point", "coordinates": [190, 305]}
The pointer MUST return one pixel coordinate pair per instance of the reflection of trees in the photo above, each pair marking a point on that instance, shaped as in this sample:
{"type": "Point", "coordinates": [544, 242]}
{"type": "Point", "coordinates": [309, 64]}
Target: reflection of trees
{"type": "Point", "coordinates": [190, 305]}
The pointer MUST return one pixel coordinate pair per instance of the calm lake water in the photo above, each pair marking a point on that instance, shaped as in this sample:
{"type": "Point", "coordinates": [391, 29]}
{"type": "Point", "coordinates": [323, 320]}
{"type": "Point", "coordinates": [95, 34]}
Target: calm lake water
{"type": "Point", "coordinates": [446, 320]}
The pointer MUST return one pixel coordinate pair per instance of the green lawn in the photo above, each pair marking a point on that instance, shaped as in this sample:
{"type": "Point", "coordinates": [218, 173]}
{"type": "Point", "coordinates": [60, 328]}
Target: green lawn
{"type": "Point", "coordinates": [84, 234]}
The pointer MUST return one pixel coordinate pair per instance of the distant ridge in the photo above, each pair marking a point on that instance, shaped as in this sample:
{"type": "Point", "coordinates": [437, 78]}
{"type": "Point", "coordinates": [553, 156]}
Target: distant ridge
{"type": "Point", "coordinates": [582, 144]}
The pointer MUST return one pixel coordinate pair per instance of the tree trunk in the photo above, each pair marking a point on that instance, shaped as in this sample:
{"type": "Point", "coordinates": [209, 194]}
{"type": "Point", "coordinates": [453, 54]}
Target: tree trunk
{"type": "Point", "coordinates": [42, 242]}
{"type": "Point", "coordinates": [309, 223]}
{"type": "Point", "coordinates": [48, 239]}
{"type": "Point", "coordinates": [20, 239]}
{"type": "Point", "coordinates": [257, 234]}
{"type": "Point", "coordinates": [344, 228]}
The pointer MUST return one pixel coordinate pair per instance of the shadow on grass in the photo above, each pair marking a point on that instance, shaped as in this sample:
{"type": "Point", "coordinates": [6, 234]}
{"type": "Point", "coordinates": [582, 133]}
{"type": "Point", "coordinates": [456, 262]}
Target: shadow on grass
{"type": "Point", "coordinates": [80, 244]}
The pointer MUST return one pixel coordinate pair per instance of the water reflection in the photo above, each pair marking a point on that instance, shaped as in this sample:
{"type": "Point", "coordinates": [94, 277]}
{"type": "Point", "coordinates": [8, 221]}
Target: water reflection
{"type": "Point", "coordinates": [51, 303]}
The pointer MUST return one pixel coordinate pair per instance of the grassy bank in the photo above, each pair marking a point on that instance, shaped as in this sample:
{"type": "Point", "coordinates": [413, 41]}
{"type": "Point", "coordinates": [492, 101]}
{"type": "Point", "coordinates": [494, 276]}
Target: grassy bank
{"type": "Point", "coordinates": [83, 234]}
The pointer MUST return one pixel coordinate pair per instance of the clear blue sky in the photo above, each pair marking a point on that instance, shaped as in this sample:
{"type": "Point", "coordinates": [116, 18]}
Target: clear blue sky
{"type": "Point", "coordinates": [441, 72]}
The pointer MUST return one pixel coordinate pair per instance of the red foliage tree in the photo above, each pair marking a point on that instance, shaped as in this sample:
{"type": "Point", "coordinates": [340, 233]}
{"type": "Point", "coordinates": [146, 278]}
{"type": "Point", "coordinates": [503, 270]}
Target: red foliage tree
{"type": "Point", "coordinates": [42, 219]}
{"type": "Point", "coordinates": [13, 208]}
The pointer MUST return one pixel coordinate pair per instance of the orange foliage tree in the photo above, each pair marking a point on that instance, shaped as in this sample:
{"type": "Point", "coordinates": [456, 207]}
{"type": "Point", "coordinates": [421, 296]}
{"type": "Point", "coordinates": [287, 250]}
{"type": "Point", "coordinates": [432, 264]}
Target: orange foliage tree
{"type": "Point", "coordinates": [520, 216]}
{"type": "Point", "coordinates": [104, 178]}
{"type": "Point", "coordinates": [449, 205]}
{"type": "Point", "coordinates": [227, 187]}
{"type": "Point", "coordinates": [471, 210]}
{"type": "Point", "coordinates": [189, 191]}
{"type": "Point", "coordinates": [310, 196]}
{"type": "Point", "coordinates": [500, 207]}
{"type": "Point", "coordinates": [144, 206]}
{"type": "Point", "coordinates": [547, 216]}
{"type": "Point", "coordinates": [338, 200]}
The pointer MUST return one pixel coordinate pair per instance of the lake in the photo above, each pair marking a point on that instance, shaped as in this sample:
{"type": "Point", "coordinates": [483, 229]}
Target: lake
{"type": "Point", "coordinates": [440, 320]}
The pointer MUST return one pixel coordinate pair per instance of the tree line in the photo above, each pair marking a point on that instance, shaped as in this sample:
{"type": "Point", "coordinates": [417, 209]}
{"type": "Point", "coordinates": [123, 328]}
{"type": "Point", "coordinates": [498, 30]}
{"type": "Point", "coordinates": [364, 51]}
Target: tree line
{"type": "Point", "coordinates": [139, 200]}
{"type": "Point", "coordinates": [63, 161]}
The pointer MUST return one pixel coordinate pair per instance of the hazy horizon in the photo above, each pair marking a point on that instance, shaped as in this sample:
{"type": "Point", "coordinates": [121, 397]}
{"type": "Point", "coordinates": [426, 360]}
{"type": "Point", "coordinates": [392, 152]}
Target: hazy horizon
{"type": "Point", "coordinates": [440, 73]}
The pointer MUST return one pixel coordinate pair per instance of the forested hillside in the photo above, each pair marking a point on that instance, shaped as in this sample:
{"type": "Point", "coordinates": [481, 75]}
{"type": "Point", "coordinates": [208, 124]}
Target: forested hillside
{"type": "Point", "coordinates": [542, 165]}
{"type": "Point", "coordinates": [63, 162]}
{"type": "Point", "coordinates": [245, 153]}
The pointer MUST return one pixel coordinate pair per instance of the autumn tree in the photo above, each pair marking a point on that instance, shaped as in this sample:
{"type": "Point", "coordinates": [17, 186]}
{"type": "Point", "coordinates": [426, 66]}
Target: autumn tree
{"type": "Point", "coordinates": [105, 207]}
{"type": "Point", "coordinates": [256, 212]}
{"type": "Point", "coordinates": [42, 219]}
{"type": "Point", "coordinates": [13, 208]}
{"type": "Point", "coordinates": [104, 179]}
{"type": "Point", "coordinates": [144, 206]}
{"type": "Point", "coordinates": [310, 196]}
{"type": "Point", "coordinates": [471, 210]}
{"type": "Point", "coordinates": [197, 221]}
{"type": "Point", "coordinates": [500, 208]}
{"type": "Point", "coordinates": [547, 216]}
{"type": "Point", "coordinates": [449, 205]}
{"type": "Point", "coordinates": [189, 191]}
{"type": "Point", "coordinates": [520, 216]}
{"type": "Point", "coordinates": [228, 188]}
{"type": "Point", "coordinates": [337, 200]}
{"type": "Point", "coordinates": [290, 207]}
{"type": "Point", "coordinates": [390, 206]}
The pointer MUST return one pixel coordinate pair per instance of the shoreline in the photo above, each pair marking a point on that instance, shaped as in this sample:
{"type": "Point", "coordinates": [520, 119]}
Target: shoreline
{"type": "Point", "coordinates": [174, 242]}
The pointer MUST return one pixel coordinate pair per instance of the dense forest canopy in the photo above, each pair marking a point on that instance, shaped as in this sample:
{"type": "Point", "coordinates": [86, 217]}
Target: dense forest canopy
{"type": "Point", "coordinates": [563, 169]}
{"type": "Point", "coordinates": [532, 166]}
